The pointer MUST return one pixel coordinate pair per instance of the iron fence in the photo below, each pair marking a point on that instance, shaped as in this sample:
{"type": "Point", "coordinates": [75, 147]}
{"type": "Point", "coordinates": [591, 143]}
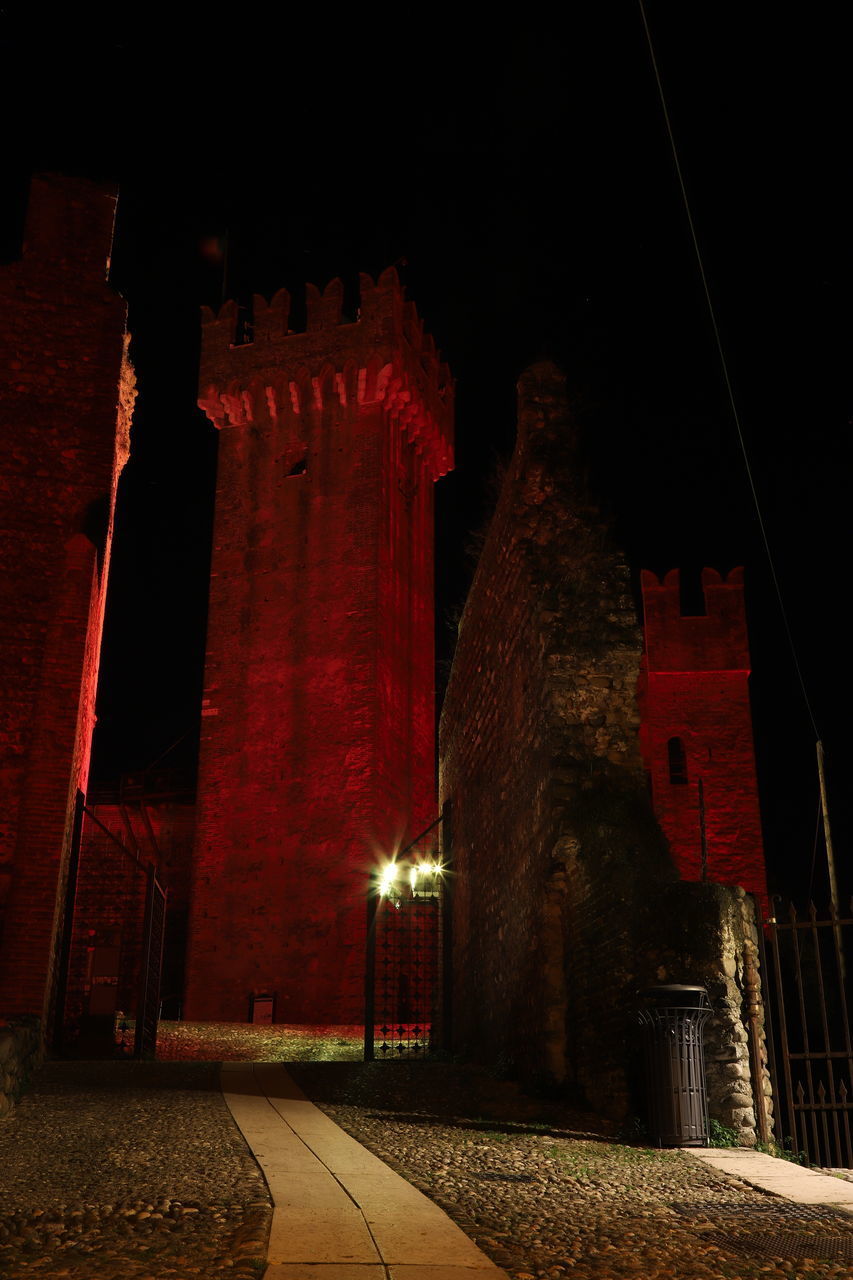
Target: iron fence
{"type": "Point", "coordinates": [151, 970]}
{"type": "Point", "coordinates": [814, 1052]}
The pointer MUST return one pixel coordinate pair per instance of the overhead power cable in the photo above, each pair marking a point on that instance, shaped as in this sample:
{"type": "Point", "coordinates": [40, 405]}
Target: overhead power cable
{"type": "Point", "coordinates": [726, 378]}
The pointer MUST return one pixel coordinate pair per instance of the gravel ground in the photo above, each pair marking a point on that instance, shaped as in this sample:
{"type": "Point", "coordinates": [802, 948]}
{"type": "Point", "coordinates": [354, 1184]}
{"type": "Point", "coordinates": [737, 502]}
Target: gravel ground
{"type": "Point", "coordinates": [135, 1171]}
{"type": "Point", "coordinates": [242, 1042]}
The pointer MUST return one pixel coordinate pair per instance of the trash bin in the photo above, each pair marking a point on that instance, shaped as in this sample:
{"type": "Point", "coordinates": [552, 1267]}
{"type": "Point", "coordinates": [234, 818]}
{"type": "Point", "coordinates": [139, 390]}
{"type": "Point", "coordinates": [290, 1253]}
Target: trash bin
{"type": "Point", "coordinates": [672, 1023]}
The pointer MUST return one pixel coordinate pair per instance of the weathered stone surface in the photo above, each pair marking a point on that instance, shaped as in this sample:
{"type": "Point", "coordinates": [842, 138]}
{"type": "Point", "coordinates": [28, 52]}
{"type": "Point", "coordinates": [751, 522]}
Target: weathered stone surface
{"type": "Point", "coordinates": [566, 899]}
{"type": "Point", "coordinates": [21, 1054]}
{"type": "Point", "coordinates": [540, 759]}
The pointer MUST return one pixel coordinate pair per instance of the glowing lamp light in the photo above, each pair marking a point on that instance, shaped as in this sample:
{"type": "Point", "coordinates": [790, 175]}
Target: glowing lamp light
{"type": "Point", "coordinates": [387, 879]}
{"type": "Point", "coordinates": [419, 877]}
{"type": "Point", "coordinates": [425, 872]}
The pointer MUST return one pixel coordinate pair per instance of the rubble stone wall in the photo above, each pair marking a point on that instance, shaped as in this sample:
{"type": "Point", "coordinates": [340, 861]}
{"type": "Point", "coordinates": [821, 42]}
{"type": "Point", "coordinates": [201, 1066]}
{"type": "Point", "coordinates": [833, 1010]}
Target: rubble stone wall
{"type": "Point", "coordinates": [566, 900]}
{"type": "Point", "coordinates": [711, 940]}
{"type": "Point", "coordinates": [20, 1055]}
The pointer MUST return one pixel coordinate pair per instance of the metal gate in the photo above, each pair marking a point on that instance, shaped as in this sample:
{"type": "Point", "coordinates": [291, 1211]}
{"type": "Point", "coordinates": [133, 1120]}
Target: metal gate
{"type": "Point", "coordinates": [115, 925]}
{"type": "Point", "coordinates": [407, 936]}
{"type": "Point", "coordinates": [813, 1075]}
{"type": "Point", "coordinates": [151, 968]}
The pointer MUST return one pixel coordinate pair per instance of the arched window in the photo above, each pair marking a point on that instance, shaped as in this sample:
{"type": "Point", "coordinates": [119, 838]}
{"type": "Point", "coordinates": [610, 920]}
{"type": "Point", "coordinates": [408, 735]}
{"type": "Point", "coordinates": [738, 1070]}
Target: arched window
{"type": "Point", "coordinates": [677, 762]}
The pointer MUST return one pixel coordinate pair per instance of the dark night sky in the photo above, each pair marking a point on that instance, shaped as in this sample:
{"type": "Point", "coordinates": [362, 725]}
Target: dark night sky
{"type": "Point", "coordinates": [522, 179]}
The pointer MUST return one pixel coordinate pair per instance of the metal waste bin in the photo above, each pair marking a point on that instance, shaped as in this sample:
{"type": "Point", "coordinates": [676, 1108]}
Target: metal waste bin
{"type": "Point", "coordinates": [672, 1023]}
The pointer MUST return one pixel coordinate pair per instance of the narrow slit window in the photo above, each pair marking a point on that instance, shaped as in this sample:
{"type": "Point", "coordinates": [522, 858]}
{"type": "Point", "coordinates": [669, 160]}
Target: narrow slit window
{"type": "Point", "coordinates": [677, 762]}
{"type": "Point", "coordinates": [299, 468]}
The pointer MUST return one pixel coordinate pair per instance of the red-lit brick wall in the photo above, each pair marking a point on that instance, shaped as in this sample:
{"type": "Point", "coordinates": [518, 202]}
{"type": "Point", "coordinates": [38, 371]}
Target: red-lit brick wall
{"type": "Point", "coordinates": [66, 397]}
{"type": "Point", "coordinates": [693, 688]}
{"type": "Point", "coordinates": [317, 730]}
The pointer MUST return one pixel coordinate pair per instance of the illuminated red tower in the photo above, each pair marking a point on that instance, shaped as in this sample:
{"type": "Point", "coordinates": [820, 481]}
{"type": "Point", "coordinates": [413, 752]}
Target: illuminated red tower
{"type": "Point", "coordinates": [696, 731]}
{"type": "Point", "coordinates": [318, 717]}
{"type": "Point", "coordinates": [66, 401]}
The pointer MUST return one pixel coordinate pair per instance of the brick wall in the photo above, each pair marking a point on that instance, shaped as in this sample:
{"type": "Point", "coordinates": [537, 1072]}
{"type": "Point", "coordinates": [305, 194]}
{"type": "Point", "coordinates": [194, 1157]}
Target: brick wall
{"type": "Point", "coordinates": [66, 398]}
{"type": "Point", "coordinates": [693, 689]}
{"type": "Point", "coordinates": [317, 750]}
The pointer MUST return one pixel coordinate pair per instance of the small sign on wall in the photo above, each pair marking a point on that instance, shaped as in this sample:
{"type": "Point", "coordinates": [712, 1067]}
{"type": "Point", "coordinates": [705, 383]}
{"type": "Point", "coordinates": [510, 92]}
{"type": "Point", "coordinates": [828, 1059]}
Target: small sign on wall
{"type": "Point", "coordinates": [262, 1009]}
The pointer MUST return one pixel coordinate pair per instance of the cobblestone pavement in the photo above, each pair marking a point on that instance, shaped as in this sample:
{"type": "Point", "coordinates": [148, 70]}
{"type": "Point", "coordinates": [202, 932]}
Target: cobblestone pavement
{"type": "Point", "coordinates": [129, 1171]}
{"type": "Point", "coordinates": [135, 1171]}
{"type": "Point", "coordinates": [546, 1196]}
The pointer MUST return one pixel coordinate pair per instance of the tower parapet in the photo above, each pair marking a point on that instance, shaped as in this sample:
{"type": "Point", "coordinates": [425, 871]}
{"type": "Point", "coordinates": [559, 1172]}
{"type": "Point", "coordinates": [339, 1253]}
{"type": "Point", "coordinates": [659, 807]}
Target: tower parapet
{"type": "Point", "coordinates": [382, 357]}
{"type": "Point", "coordinates": [713, 641]}
{"type": "Point", "coordinates": [696, 730]}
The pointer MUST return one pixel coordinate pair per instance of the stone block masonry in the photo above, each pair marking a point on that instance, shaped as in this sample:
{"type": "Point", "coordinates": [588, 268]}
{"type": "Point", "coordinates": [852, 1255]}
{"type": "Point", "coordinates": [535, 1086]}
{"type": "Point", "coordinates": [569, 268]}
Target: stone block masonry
{"type": "Point", "coordinates": [66, 399]}
{"type": "Point", "coordinates": [317, 751]}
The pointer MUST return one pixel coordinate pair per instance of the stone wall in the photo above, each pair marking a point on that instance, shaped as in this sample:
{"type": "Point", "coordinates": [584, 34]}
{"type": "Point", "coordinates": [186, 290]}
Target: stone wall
{"type": "Point", "coordinates": [20, 1055]}
{"type": "Point", "coordinates": [554, 837]}
{"type": "Point", "coordinates": [566, 900]}
{"type": "Point", "coordinates": [711, 939]}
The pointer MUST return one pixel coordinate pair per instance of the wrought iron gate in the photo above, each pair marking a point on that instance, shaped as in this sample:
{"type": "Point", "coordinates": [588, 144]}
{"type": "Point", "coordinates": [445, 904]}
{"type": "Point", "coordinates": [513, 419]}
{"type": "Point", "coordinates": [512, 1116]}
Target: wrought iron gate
{"type": "Point", "coordinates": [116, 925]}
{"type": "Point", "coordinates": [407, 936]}
{"type": "Point", "coordinates": [813, 1076]}
{"type": "Point", "coordinates": [151, 968]}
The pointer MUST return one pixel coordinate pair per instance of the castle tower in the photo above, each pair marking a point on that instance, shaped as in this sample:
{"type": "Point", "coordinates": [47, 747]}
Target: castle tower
{"type": "Point", "coordinates": [66, 400]}
{"type": "Point", "coordinates": [696, 730]}
{"type": "Point", "coordinates": [317, 752]}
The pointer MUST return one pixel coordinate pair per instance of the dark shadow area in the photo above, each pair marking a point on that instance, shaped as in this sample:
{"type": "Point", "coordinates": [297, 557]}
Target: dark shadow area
{"type": "Point", "coordinates": [116, 1076]}
{"type": "Point", "coordinates": [460, 1094]}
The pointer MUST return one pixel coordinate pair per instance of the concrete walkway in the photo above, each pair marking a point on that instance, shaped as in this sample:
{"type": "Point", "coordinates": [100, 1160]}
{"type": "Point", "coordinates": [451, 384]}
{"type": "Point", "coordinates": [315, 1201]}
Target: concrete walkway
{"type": "Point", "coordinates": [339, 1212]}
{"type": "Point", "coordinates": [781, 1177]}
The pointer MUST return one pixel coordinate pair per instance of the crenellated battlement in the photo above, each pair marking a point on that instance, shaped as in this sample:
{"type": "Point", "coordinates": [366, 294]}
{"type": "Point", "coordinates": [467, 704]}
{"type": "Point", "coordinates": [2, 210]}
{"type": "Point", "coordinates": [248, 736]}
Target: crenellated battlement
{"type": "Point", "coordinates": [278, 375]}
{"type": "Point", "coordinates": [713, 641]}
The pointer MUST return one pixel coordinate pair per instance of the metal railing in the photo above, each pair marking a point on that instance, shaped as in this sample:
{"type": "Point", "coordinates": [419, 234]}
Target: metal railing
{"type": "Point", "coordinates": [811, 1003]}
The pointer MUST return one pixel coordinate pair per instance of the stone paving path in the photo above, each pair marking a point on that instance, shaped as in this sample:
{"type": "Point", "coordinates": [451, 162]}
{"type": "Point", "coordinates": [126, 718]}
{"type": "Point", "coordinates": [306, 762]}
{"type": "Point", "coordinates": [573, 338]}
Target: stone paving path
{"type": "Point", "coordinates": [781, 1177]}
{"type": "Point", "coordinates": [337, 1208]}
{"type": "Point", "coordinates": [128, 1171]}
